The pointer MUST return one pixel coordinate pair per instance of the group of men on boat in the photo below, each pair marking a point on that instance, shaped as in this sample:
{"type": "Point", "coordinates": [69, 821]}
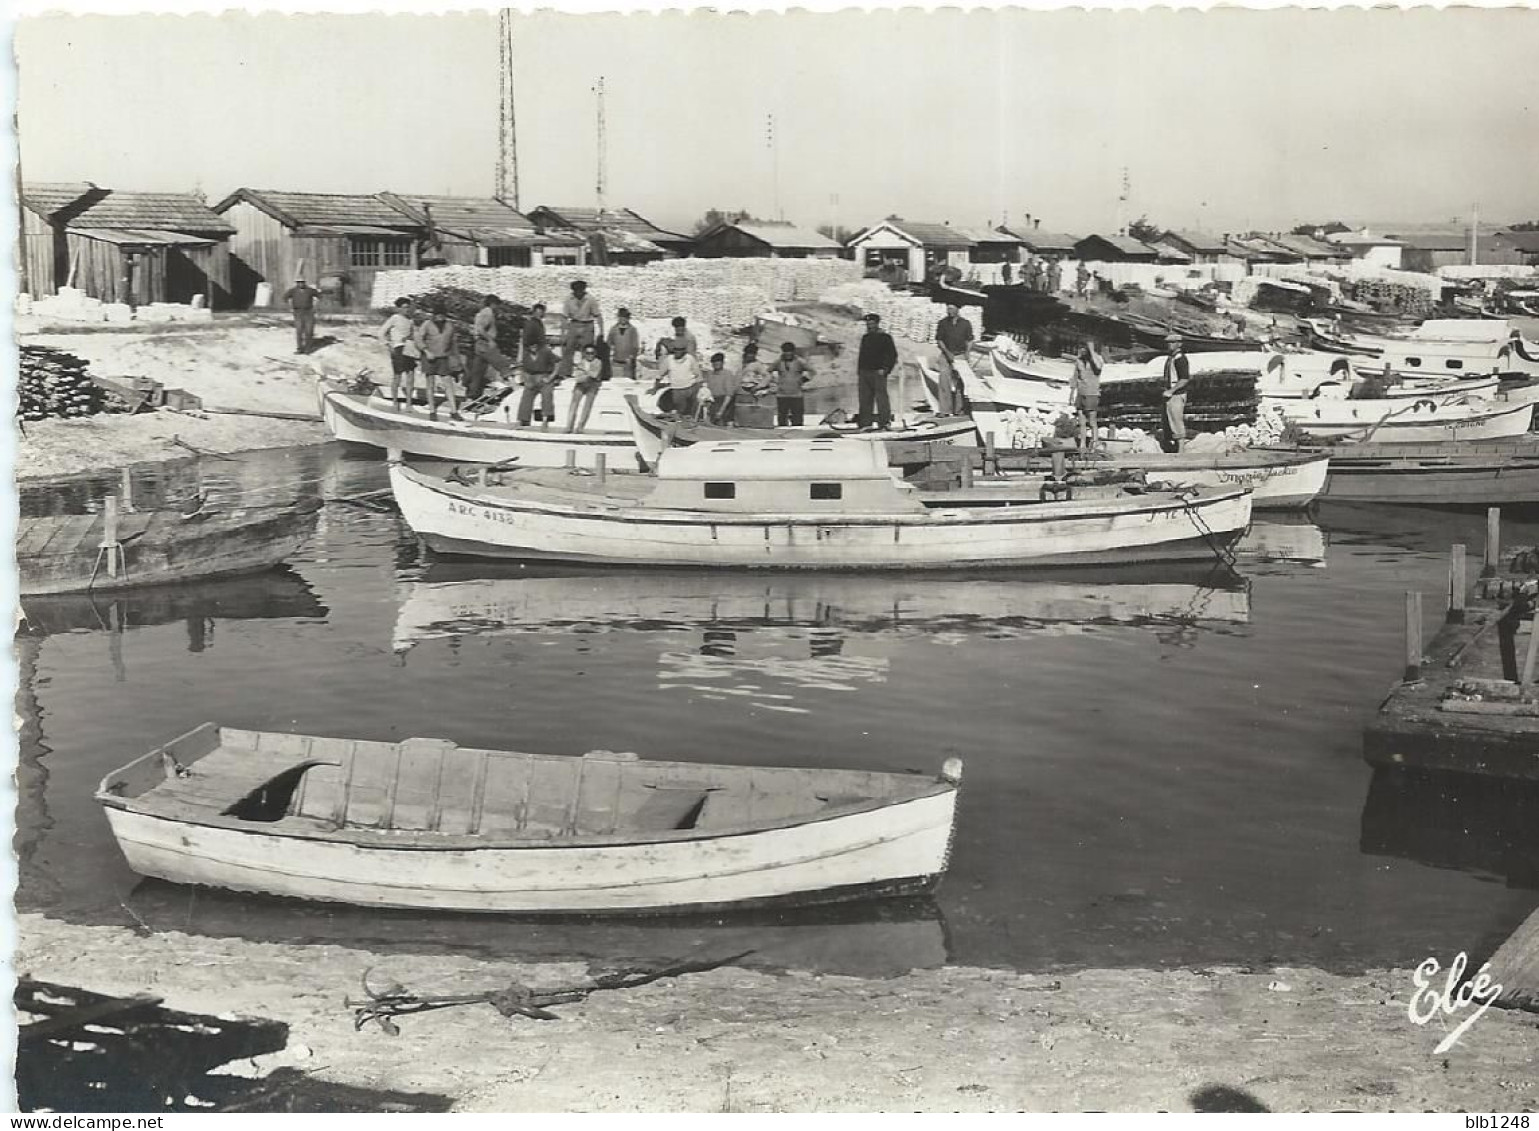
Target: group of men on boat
{"type": "Point", "coordinates": [760, 391]}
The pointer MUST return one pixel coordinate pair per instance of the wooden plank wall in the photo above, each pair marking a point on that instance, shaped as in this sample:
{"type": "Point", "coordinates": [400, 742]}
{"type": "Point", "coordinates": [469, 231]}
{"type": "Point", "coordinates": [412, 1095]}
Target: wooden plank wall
{"type": "Point", "coordinates": [46, 254]}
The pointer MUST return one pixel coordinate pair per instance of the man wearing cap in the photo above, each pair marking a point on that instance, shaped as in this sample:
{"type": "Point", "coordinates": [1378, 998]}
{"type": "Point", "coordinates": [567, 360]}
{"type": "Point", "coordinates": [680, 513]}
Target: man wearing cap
{"type": "Point", "coordinates": [878, 357]}
{"type": "Point", "coordinates": [953, 334]}
{"type": "Point", "coordinates": [790, 373]}
{"type": "Point", "coordinates": [1178, 375]}
{"type": "Point", "coordinates": [624, 342]}
{"type": "Point", "coordinates": [584, 324]}
{"type": "Point", "coordinates": [302, 298]}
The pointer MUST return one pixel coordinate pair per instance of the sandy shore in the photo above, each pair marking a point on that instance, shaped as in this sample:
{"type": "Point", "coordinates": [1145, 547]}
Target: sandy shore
{"type": "Point", "coordinates": [953, 1039]}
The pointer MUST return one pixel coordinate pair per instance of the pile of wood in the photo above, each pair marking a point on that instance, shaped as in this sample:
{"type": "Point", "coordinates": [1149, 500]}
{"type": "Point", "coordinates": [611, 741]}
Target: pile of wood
{"type": "Point", "coordinates": [53, 383]}
{"type": "Point", "coordinates": [1215, 401]}
{"type": "Point", "coordinates": [1386, 295]}
{"type": "Point", "coordinates": [462, 305]}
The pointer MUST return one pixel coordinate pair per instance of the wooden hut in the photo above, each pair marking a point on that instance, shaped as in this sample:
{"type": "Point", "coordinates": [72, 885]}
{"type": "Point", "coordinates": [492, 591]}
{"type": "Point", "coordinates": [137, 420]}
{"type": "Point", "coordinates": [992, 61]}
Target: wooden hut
{"type": "Point", "coordinates": [484, 232]}
{"type": "Point", "coordinates": [129, 247]}
{"type": "Point", "coordinates": [619, 236]}
{"type": "Point", "coordinates": [765, 239]}
{"type": "Point", "coordinates": [1427, 251]}
{"type": "Point", "coordinates": [1114, 249]}
{"type": "Point", "coordinates": [1198, 247]}
{"type": "Point", "coordinates": [1044, 245]}
{"type": "Point", "coordinates": [919, 247]}
{"type": "Point", "coordinates": [339, 241]}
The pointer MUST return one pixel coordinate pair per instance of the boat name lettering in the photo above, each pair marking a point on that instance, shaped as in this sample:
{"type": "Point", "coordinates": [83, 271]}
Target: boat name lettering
{"type": "Point", "coordinates": [486, 513]}
{"type": "Point", "coordinates": [1254, 475]}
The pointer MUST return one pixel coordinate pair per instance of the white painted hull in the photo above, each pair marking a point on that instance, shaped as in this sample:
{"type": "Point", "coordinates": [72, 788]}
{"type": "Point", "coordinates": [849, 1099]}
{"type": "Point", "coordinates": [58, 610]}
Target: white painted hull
{"type": "Point", "coordinates": [1274, 484]}
{"type": "Point", "coordinates": [454, 520]}
{"type": "Point", "coordinates": [1393, 421]}
{"type": "Point", "coordinates": [372, 421]}
{"type": "Point", "coordinates": [898, 847]}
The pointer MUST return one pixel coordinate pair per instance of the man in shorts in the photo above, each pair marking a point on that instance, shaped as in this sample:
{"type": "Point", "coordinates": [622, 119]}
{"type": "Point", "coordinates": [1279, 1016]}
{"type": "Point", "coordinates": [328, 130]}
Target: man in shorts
{"type": "Point", "coordinates": [398, 332]}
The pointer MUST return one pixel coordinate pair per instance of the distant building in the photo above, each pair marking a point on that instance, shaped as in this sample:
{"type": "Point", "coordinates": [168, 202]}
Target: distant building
{"type": "Point", "coordinates": [337, 241]}
{"type": "Point", "coordinates": [991, 245]}
{"type": "Point", "coordinates": [1114, 249]}
{"type": "Point", "coordinates": [483, 231]}
{"type": "Point", "coordinates": [1381, 251]}
{"type": "Point", "coordinates": [919, 248]}
{"type": "Point", "coordinates": [134, 247]}
{"type": "Point", "coordinates": [618, 236]}
{"type": "Point", "coordinates": [1044, 245]}
{"type": "Point", "coordinates": [765, 239]}
{"type": "Point", "coordinates": [1427, 251]}
{"type": "Point", "coordinates": [1525, 245]}
{"type": "Point", "coordinates": [1198, 247]}
{"type": "Point", "coordinates": [1311, 250]}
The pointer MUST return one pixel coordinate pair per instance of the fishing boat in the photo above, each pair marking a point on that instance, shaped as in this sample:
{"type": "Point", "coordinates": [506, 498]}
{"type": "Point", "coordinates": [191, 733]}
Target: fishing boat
{"type": "Point", "coordinates": [111, 550]}
{"type": "Point", "coordinates": [653, 434]}
{"type": "Point", "coordinates": [1479, 472]}
{"type": "Point", "coordinates": [492, 437]}
{"type": "Point", "coordinates": [1422, 420]}
{"type": "Point", "coordinates": [428, 824]}
{"type": "Point", "coordinates": [1278, 478]}
{"type": "Point", "coordinates": [811, 504]}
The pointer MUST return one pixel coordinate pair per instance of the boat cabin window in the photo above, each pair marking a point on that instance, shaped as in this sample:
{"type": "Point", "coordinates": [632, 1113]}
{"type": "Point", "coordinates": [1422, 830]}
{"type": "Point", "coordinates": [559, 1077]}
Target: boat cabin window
{"type": "Point", "coordinates": [1455, 363]}
{"type": "Point", "coordinates": [827, 491]}
{"type": "Point", "coordinates": [721, 490]}
{"type": "Point", "coordinates": [1414, 362]}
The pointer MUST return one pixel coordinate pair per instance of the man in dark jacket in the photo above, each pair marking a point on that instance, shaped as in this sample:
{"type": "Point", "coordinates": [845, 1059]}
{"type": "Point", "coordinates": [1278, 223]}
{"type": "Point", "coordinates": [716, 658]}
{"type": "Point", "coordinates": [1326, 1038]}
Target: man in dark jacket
{"type": "Point", "coordinates": [302, 298]}
{"type": "Point", "coordinates": [878, 357]}
{"type": "Point", "coordinates": [1178, 376]}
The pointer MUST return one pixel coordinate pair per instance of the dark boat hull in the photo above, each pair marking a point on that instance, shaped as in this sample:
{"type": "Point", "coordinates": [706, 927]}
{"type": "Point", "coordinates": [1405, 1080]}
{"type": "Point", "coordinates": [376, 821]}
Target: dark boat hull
{"type": "Point", "coordinates": [1457, 474]}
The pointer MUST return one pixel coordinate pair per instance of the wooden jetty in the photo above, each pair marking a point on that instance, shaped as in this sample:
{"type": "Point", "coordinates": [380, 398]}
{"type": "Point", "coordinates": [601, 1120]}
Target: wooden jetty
{"type": "Point", "coordinates": [1468, 702]}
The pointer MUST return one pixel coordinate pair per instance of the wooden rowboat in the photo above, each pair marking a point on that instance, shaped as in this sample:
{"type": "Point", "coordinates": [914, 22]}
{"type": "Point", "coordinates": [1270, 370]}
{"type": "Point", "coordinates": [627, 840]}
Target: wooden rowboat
{"type": "Point", "coordinates": [427, 824]}
{"type": "Point", "coordinates": [1474, 473]}
{"type": "Point", "coordinates": [1396, 420]}
{"type": "Point", "coordinates": [65, 553]}
{"type": "Point", "coordinates": [653, 434]}
{"type": "Point", "coordinates": [806, 504]}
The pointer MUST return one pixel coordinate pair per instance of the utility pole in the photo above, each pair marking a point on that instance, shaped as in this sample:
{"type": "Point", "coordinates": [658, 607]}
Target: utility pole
{"type": "Point", "coordinates": [774, 148]}
{"type": "Point", "coordinates": [1122, 202]}
{"type": "Point", "coordinates": [1474, 236]}
{"type": "Point", "coordinates": [507, 127]}
{"type": "Point", "coordinates": [602, 155]}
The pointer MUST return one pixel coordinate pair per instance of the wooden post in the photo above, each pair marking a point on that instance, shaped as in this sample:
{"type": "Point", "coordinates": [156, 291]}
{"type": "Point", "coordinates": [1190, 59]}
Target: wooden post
{"type": "Point", "coordinates": [1493, 542]}
{"type": "Point", "coordinates": [967, 472]}
{"type": "Point", "coordinates": [600, 466]}
{"type": "Point", "coordinates": [1527, 677]}
{"type": "Point", "coordinates": [1060, 465]}
{"type": "Point", "coordinates": [481, 475]}
{"type": "Point", "coordinates": [990, 455]}
{"type": "Point", "coordinates": [1458, 586]}
{"type": "Point", "coordinates": [902, 393]}
{"type": "Point", "coordinates": [126, 491]}
{"type": "Point", "coordinates": [1412, 637]}
{"type": "Point", "coordinates": [109, 544]}
{"type": "Point", "coordinates": [571, 459]}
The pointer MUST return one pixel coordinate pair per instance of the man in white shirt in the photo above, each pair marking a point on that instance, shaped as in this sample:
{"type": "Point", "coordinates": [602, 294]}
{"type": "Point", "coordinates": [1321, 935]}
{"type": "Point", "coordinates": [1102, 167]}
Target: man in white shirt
{"type": "Point", "coordinates": [584, 324]}
{"type": "Point", "coordinates": [398, 333]}
{"type": "Point", "coordinates": [681, 370]}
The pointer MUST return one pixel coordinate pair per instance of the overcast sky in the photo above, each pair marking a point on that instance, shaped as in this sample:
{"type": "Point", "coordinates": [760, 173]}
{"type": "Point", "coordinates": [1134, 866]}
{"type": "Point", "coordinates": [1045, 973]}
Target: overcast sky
{"type": "Point", "coordinates": [1223, 120]}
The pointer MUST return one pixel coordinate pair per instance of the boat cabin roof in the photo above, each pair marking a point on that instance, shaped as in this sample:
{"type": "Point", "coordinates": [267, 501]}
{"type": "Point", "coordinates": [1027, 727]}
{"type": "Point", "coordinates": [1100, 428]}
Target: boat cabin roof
{"type": "Point", "coordinates": [823, 459]}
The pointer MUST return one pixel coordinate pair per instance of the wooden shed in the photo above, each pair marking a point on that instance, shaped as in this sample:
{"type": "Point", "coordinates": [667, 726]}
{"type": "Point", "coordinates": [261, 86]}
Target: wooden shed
{"type": "Point", "coordinates": [484, 232]}
{"type": "Point", "coordinates": [1114, 249]}
{"type": "Point", "coordinates": [130, 247]}
{"type": "Point", "coordinates": [341, 241]}
{"type": "Point", "coordinates": [1427, 251]}
{"type": "Point", "coordinates": [1044, 245]}
{"type": "Point", "coordinates": [620, 236]}
{"type": "Point", "coordinates": [918, 246]}
{"type": "Point", "coordinates": [1198, 247]}
{"type": "Point", "coordinates": [765, 239]}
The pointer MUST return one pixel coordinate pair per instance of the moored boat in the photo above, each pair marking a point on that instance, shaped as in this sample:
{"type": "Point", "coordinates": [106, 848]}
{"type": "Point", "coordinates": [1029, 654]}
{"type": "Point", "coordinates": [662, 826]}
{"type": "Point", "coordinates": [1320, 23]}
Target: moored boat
{"type": "Point", "coordinates": [1420, 420]}
{"type": "Point", "coordinates": [820, 504]}
{"type": "Point", "coordinates": [494, 437]}
{"type": "Point", "coordinates": [654, 434]}
{"type": "Point", "coordinates": [1473, 473]}
{"type": "Point", "coordinates": [1278, 478]}
{"type": "Point", "coordinates": [111, 550]}
{"type": "Point", "coordinates": [427, 824]}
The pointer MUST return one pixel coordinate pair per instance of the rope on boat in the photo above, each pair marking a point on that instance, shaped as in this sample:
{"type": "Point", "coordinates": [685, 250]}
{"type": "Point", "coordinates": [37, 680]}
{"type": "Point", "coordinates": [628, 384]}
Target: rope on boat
{"type": "Point", "coordinates": [1223, 554]}
{"type": "Point", "coordinates": [515, 999]}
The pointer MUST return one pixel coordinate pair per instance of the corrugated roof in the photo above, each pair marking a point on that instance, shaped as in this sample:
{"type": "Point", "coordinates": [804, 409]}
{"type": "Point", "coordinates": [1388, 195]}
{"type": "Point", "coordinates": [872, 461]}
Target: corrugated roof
{"type": "Point", "coordinates": [461, 215]}
{"type": "Point", "coordinates": [351, 230]}
{"type": "Point", "coordinates": [1442, 241]}
{"type": "Point", "coordinates": [1358, 239]}
{"type": "Point", "coordinates": [142, 236]}
{"type": "Point", "coordinates": [322, 209]}
{"type": "Point", "coordinates": [1038, 240]}
{"type": "Point", "coordinates": [48, 197]}
{"type": "Point", "coordinates": [1526, 242]}
{"type": "Point", "coordinates": [1125, 244]}
{"type": "Point", "coordinates": [933, 235]}
{"type": "Point", "coordinates": [622, 219]}
{"type": "Point", "coordinates": [1308, 246]}
{"type": "Point", "coordinates": [625, 242]}
{"type": "Point", "coordinates": [1199, 242]}
{"type": "Point", "coordinates": [782, 234]}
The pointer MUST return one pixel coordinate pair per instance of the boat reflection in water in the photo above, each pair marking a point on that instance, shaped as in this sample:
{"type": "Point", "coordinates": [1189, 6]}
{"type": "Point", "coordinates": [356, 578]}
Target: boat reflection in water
{"type": "Point", "coordinates": [1466, 822]}
{"type": "Point", "coordinates": [1283, 538]}
{"type": "Point", "coordinates": [804, 629]}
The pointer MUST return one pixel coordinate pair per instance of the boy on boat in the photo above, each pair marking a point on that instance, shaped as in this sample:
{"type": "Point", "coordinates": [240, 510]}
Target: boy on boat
{"type": "Point", "coordinates": [681, 371]}
{"type": "Point", "coordinates": [790, 373]}
{"type": "Point", "coordinates": [624, 346]}
{"type": "Point", "coordinates": [485, 354]}
{"type": "Point", "coordinates": [589, 371]}
{"type": "Point", "coordinates": [436, 341]}
{"type": "Point", "coordinates": [532, 334]}
{"type": "Point", "coordinates": [681, 333]}
{"type": "Point", "coordinates": [539, 381]}
{"type": "Point", "coordinates": [398, 332]}
{"type": "Point", "coordinates": [1085, 393]}
{"type": "Point", "coordinates": [723, 385]}
{"type": "Point", "coordinates": [755, 391]}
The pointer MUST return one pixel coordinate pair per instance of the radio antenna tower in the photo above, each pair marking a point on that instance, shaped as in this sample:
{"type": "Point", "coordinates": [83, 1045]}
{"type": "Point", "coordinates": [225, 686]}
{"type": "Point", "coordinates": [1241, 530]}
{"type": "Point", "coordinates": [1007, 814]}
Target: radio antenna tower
{"type": "Point", "coordinates": [507, 127]}
{"type": "Point", "coordinates": [774, 148]}
{"type": "Point", "coordinates": [602, 154]}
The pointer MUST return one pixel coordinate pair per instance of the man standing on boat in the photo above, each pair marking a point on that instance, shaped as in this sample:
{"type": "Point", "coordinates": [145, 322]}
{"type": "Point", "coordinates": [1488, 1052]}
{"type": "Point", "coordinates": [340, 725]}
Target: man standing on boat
{"type": "Point", "coordinates": [436, 342]}
{"type": "Point", "coordinates": [681, 333]}
{"type": "Point", "coordinates": [584, 324]}
{"type": "Point", "coordinates": [539, 383]}
{"type": "Point", "coordinates": [878, 358]}
{"type": "Point", "coordinates": [1178, 376]}
{"type": "Point", "coordinates": [790, 373]}
{"type": "Point", "coordinates": [532, 334]}
{"type": "Point", "coordinates": [624, 342]}
{"type": "Point", "coordinates": [398, 333]}
{"type": "Point", "coordinates": [681, 369]}
{"type": "Point", "coordinates": [723, 384]}
{"type": "Point", "coordinates": [1085, 389]}
{"type": "Point", "coordinates": [302, 298]}
{"type": "Point", "coordinates": [485, 354]}
{"type": "Point", "coordinates": [953, 335]}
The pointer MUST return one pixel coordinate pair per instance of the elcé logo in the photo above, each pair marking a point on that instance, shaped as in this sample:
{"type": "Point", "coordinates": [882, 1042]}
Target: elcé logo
{"type": "Point", "coordinates": [1427, 1002]}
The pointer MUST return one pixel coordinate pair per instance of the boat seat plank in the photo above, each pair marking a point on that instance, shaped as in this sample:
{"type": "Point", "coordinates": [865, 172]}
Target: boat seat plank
{"type": "Point", "coordinates": [32, 534]}
{"type": "Point", "coordinates": [414, 792]}
{"type": "Point", "coordinates": [596, 807]}
{"type": "Point", "coordinates": [71, 535]}
{"type": "Point", "coordinates": [553, 786]}
{"type": "Point", "coordinates": [216, 781]}
{"type": "Point", "coordinates": [505, 794]}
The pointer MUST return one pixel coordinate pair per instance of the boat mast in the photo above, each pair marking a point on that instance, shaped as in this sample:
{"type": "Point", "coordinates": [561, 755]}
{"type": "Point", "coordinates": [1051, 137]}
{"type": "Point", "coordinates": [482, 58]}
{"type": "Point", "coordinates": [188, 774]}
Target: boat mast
{"type": "Point", "coordinates": [602, 152]}
{"type": "Point", "coordinates": [507, 127]}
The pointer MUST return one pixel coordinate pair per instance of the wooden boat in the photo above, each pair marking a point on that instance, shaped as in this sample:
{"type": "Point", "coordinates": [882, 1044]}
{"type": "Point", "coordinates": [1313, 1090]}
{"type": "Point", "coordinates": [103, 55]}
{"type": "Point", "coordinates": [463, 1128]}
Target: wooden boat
{"type": "Point", "coordinates": [819, 504]}
{"type": "Point", "coordinates": [1278, 478]}
{"type": "Point", "coordinates": [653, 434]}
{"type": "Point", "coordinates": [427, 824]}
{"type": "Point", "coordinates": [1321, 337]}
{"type": "Point", "coordinates": [494, 437]}
{"type": "Point", "coordinates": [1396, 421]}
{"type": "Point", "coordinates": [65, 554]}
{"type": "Point", "coordinates": [1480, 472]}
